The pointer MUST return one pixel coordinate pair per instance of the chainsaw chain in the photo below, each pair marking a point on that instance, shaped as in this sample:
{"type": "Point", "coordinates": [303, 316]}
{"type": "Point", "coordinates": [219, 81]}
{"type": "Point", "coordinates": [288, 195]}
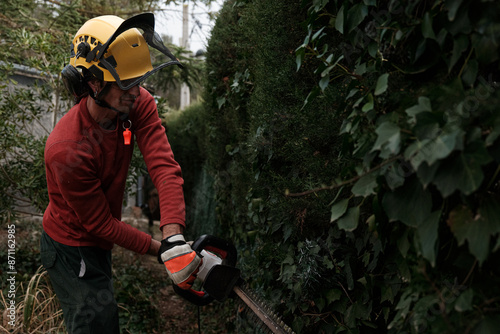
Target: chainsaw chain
{"type": "Point", "coordinates": [278, 325]}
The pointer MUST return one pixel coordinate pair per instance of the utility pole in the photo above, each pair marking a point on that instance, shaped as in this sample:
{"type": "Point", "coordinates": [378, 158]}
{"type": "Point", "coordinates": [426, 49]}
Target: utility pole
{"type": "Point", "coordinates": [185, 93]}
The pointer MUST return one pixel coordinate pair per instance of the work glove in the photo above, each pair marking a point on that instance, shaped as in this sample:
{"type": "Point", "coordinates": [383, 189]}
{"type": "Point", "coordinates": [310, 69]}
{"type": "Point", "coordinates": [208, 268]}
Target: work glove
{"type": "Point", "coordinates": [181, 261]}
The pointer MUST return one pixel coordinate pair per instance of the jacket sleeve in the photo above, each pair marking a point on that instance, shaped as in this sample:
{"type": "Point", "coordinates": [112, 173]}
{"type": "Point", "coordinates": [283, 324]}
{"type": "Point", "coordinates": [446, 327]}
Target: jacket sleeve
{"type": "Point", "coordinates": [164, 170]}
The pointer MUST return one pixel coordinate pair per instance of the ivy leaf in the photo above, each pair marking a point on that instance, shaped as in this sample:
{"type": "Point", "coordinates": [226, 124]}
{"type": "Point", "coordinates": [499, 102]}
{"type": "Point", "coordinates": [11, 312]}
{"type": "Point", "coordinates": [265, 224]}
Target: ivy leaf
{"type": "Point", "coordinates": [323, 83]}
{"type": "Point", "coordinates": [287, 272]}
{"type": "Point", "coordinates": [349, 222]}
{"type": "Point", "coordinates": [403, 243]}
{"type": "Point", "coordinates": [427, 235]}
{"type": "Point", "coordinates": [403, 307]}
{"type": "Point", "coordinates": [427, 30]}
{"type": "Point", "coordinates": [360, 69]}
{"type": "Point", "coordinates": [456, 174]}
{"type": "Point", "coordinates": [485, 47]}
{"type": "Point", "coordinates": [460, 44]}
{"type": "Point", "coordinates": [490, 140]}
{"type": "Point", "coordinates": [464, 171]}
{"type": "Point", "coordinates": [317, 33]}
{"type": "Point", "coordinates": [422, 45]}
{"type": "Point", "coordinates": [424, 104]}
{"type": "Point", "coordinates": [369, 104]}
{"type": "Point", "coordinates": [330, 67]}
{"type": "Point", "coordinates": [311, 96]}
{"type": "Point", "coordinates": [221, 101]}
{"type": "Point", "coordinates": [366, 185]}
{"type": "Point", "coordinates": [333, 295]}
{"type": "Point", "coordinates": [386, 293]}
{"type": "Point", "coordinates": [476, 229]}
{"type": "Point", "coordinates": [395, 174]}
{"type": "Point", "coordinates": [422, 306]}
{"type": "Point", "coordinates": [381, 86]}
{"type": "Point", "coordinates": [470, 73]}
{"type": "Point", "coordinates": [319, 4]}
{"type": "Point", "coordinates": [325, 74]}
{"type": "Point", "coordinates": [432, 150]}
{"type": "Point", "coordinates": [356, 311]}
{"type": "Point", "coordinates": [356, 15]}
{"type": "Point", "coordinates": [410, 204]}
{"type": "Point", "coordinates": [464, 301]}
{"type": "Point", "coordinates": [373, 49]}
{"type": "Point", "coordinates": [339, 21]}
{"type": "Point", "coordinates": [426, 173]}
{"type": "Point", "coordinates": [461, 24]}
{"type": "Point", "coordinates": [452, 6]}
{"type": "Point", "coordinates": [389, 136]}
{"type": "Point", "coordinates": [300, 53]}
{"type": "Point", "coordinates": [338, 209]}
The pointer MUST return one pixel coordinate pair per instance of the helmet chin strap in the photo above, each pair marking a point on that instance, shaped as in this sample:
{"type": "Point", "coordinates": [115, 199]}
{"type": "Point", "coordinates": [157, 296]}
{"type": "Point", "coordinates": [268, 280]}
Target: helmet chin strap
{"type": "Point", "coordinates": [98, 98]}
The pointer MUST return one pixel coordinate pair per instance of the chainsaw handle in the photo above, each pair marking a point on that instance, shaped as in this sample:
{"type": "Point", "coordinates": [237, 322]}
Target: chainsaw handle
{"type": "Point", "coordinates": [222, 248]}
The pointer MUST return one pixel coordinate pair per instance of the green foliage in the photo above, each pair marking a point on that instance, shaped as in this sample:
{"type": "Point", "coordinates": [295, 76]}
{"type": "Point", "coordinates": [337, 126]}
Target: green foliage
{"type": "Point", "coordinates": [353, 147]}
{"type": "Point", "coordinates": [133, 290]}
{"type": "Point", "coordinates": [185, 132]}
{"type": "Point", "coordinates": [37, 36]}
{"type": "Point", "coordinates": [171, 77]}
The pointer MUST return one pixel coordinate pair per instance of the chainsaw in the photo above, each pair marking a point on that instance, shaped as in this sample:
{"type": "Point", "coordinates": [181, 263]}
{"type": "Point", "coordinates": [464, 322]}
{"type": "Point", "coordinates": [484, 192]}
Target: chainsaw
{"type": "Point", "coordinates": [221, 279]}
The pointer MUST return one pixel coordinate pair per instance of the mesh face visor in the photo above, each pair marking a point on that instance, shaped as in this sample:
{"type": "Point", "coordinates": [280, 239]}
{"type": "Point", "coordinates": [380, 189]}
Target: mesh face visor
{"type": "Point", "coordinates": [145, 22]}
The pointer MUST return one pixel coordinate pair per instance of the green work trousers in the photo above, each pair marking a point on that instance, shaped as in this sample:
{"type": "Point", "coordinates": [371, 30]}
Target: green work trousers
{"type": "Point", "coordinates": [81, 278]}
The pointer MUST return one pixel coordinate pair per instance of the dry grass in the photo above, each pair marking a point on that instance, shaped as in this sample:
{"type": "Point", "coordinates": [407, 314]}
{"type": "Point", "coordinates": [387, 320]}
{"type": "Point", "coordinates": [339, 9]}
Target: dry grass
{"type": "Point", "coordinates": [38, 311]}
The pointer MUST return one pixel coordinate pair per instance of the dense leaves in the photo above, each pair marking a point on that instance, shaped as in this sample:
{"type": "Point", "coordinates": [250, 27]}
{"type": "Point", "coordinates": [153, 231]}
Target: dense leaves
{"type": "Point", "coordinates": [354, 152]}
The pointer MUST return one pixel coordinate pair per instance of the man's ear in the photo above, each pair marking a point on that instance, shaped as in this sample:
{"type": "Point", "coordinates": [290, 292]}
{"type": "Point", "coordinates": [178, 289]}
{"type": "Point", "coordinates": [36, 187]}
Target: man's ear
{"type": "Point", "coordinates": [95, 85]}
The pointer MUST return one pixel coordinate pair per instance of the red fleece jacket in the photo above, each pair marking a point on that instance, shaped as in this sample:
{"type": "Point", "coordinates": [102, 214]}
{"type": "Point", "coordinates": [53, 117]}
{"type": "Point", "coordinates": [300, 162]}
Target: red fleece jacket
{"type": "Point", "coordinates": [87, 167]}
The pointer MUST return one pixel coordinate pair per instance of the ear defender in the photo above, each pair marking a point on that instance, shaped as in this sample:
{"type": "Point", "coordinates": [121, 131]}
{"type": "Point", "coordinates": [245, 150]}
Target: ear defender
{"type": "Point", "coordinates": [73, 81]}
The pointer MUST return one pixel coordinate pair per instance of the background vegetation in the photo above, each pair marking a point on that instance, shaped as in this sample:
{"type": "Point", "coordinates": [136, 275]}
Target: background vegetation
{"type": "Point", "coordinates": [354, 156]}
{"type": "Point", "coordinates": [349, 149]}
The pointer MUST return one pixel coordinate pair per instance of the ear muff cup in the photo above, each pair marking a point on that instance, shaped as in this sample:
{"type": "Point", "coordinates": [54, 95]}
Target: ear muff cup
{"type": "Point", "coordinates": [74, 82]}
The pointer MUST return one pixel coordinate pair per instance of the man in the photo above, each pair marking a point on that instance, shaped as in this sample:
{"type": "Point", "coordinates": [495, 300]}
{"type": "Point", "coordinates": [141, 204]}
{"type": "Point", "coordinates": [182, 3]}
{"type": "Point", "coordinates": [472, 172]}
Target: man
{"type": "Point", "coordinates": [87, 157]}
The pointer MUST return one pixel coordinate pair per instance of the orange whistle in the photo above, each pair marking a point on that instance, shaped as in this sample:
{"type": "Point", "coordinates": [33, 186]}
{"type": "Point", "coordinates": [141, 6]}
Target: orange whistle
{"type": "Point", "coordinates": [126, 136]}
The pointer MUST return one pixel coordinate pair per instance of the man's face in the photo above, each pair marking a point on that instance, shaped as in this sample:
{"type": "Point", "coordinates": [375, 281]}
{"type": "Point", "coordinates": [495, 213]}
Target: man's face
{"type": "Point", "coordinates": [123, 100]}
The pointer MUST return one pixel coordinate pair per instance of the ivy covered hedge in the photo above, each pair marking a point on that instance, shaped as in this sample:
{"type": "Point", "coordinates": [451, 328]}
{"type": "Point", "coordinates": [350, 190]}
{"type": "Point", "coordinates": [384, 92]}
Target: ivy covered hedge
{"type": "Point", "coordinates": [354, 152]}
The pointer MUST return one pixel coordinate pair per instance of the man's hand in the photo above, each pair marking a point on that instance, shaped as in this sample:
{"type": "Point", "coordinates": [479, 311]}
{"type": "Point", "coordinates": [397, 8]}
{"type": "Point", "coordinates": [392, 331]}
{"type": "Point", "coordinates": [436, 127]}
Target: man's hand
{"type": "Point", "coordinates": [180, 260]}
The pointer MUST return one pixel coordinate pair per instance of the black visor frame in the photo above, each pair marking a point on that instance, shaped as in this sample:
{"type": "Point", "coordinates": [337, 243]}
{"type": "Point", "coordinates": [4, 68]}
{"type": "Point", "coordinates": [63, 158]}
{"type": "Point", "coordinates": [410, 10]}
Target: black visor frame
{"type": "Point", "coordinates": [145, 22]}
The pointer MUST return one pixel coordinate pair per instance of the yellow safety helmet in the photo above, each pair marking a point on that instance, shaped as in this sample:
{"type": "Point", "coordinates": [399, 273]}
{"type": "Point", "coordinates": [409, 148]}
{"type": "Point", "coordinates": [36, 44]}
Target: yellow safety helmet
{"type": "Point", "coordinates": [114, 50]}
{"type": "Point", "coordinates": [128, 53]}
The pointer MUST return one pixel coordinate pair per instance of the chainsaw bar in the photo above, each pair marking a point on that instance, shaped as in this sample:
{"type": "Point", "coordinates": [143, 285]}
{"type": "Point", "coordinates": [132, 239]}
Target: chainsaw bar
{"type": "Point", "coordinates": [271, 320]}
{"type": "Point", "coordinates": [221, 279]}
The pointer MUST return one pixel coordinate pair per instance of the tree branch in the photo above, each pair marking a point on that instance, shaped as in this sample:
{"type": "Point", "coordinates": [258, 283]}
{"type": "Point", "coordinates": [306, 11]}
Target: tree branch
{"type": "Point", "coordinates": [346, 182]}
